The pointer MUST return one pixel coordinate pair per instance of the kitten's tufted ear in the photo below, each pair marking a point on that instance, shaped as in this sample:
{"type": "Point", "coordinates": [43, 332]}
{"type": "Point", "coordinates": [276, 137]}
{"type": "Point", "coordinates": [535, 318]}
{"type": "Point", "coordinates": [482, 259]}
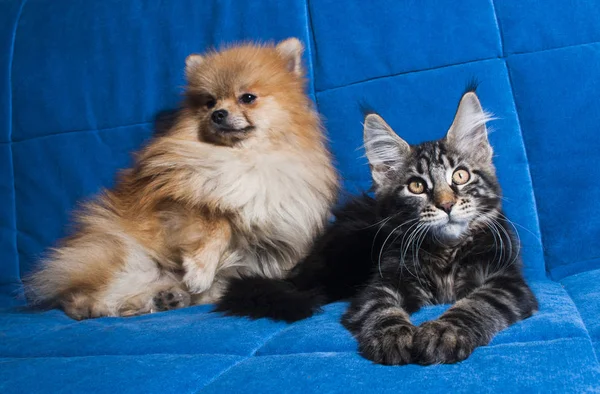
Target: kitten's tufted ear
{"type": "Point", "coordinates": [385, 151]}
{"type": "Point", "coordinates": [291, 51]}
{"type": "Point", "coordinates": [468, 134]}
{"type": "Point", "coordinates": [192, 64]}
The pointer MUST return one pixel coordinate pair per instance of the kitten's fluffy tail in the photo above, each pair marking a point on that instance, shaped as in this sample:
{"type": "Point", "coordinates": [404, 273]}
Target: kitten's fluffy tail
{"type": "Point", "coordinates": [277, 299]}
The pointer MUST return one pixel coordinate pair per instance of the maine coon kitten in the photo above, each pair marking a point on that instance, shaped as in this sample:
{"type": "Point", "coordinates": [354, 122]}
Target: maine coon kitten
{"type": "Point", "coordinates": [434, 233]}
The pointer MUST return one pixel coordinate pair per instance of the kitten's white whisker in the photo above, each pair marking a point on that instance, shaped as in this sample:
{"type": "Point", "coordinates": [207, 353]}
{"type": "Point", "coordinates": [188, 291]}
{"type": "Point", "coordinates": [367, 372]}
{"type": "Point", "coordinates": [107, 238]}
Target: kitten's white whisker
{"type": "Point", "coordinates": [383, 245]}
{"type": "Point", "coordinates": [409, 243]}
{"type": "Point", "coordinates": [515, 255]}
{"type": "Point", "coordinates": [419, 243]}
{"type": "Point", "coordinates": [501, 239]}
{"type": "Point", "coordinates": [375, 237]}
{"type": "Point", "coordinates": [512, 223]}
{"type": "Point", "coordinates": [493, 232]}
{"type": "Point", "coordinates": [382, 220]}
{"type": "Point", "coordinates": [404, 235]}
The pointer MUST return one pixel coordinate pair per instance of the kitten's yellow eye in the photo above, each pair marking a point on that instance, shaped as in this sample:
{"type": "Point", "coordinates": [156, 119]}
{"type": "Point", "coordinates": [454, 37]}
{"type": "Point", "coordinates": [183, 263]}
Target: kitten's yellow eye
{"type": "Point", "coordinates": [460, 177]}
{"type": "Point", "coordinates": [416, 186]}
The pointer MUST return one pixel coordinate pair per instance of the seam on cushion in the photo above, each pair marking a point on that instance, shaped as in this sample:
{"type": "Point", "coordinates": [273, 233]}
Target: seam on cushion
{"type": "Point", "coordinates": [455, 64]}
{"type": "Point", "coordinates": [269, 338]}
{"type": "Point", "coordinates": [553, 48]}
{"type": "Point", "coordinates": [539, 341]}
{"type": "Point", "coordinates": [314, 54]}
{"type": "Point", "coordinates": [84, 131]}
{"type": "Point", "coordinates": [10, 135]}
{"type": "Point", "coordinates": [567, 269]}
{"type": "Point", "coordinates": [217, 376]}
{"type": "Point", "coordinates": [535, 204]}
{"type": "Point", "coordinates": [549, 341]}
{"type": "Point", "coordinates": [497, 20]}
{"type": "Point", "coordinates": [407, 73]}
{"type": "Point", "coordinates": [243, 357]}
{"type": "Point", "coordinates": [586, 339]}
{"type": "Point", "coordinates": [587, 333]}
{"type": "Point", "coordinates": [309, 46]}
{"type": "Point", "coordinates": [9, 282]}
{"type": "Point", "coordinates": [309, 353]}
{"type": "Point", "coordinates": [512, 93]}
{"type": "Point", "coordinates": [586, 44]}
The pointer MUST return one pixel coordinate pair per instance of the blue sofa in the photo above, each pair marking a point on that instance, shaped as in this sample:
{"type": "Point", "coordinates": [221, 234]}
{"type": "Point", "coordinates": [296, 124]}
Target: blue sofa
{"type": "Point", "coordinates": [82, 82]}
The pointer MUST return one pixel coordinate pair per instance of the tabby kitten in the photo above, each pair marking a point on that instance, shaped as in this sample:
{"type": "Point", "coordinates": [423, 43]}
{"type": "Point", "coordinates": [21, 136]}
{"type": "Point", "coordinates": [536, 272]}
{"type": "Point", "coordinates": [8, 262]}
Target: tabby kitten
{"type": "Point", "coordinates": [434, 234]}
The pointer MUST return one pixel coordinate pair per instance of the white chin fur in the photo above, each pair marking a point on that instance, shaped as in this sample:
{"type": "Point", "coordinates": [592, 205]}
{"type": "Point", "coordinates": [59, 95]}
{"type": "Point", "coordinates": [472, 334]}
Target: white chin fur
{"type": "Point", "coordinates": [451, 230]}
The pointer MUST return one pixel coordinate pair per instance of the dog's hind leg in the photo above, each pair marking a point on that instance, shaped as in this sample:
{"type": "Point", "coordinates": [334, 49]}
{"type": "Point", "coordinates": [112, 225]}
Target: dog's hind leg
{"type": "Point", "coordinates": [143, 286]}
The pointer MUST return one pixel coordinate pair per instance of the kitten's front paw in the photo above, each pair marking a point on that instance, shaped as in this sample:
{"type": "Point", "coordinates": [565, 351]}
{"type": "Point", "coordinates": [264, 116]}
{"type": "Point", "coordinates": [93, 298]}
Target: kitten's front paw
{"type": "Point", "coordinates": [197, 278]}
{"type": "Point", "coordinates": [440, 342]}
{"type": "Point", "coordinates": [389, 346]}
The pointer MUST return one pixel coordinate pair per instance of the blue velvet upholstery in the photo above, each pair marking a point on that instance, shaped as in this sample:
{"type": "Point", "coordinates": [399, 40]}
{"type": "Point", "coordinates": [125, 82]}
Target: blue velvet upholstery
{"type": "Point", "coordinates": [81, 83]}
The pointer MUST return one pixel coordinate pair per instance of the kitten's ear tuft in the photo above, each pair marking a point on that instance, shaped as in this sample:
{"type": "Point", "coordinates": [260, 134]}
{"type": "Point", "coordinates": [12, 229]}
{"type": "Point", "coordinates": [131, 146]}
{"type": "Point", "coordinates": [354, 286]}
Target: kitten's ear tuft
{"type": "Point", "coordinates": [385, 151]}
{"type": "Point", "coordinates": [468, 133]}
{"type": "Point", "coordinates": [291, 51]}
{"type": "Point", "coordinates": [192, 64]}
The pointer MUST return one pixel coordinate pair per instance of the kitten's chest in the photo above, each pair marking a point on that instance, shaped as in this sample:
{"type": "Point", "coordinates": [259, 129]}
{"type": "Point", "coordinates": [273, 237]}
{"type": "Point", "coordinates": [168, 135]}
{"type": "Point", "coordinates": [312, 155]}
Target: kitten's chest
{"type": "Point", "coordinates": [454, 281]}
{"type": "Point", "coordinates": [444, 273]}
{"type": "Point", "coordinates": [444, 291]}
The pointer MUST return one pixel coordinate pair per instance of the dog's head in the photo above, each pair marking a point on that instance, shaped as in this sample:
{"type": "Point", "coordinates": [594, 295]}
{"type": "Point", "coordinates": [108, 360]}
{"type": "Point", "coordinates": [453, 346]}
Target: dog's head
{"type": "Point", "coordinates": [246, 91]}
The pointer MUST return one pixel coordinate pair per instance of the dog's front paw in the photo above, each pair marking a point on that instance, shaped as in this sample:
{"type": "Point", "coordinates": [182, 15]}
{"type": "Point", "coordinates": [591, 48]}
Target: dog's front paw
{"type": "Point", "coordinates": [441, 342]}
{"type": "Point", "coordinates": [173, 298]}
{"type": "Point", "coordinates": [388, 346]}
{"type": "Point", "coordinates": [197, 278]}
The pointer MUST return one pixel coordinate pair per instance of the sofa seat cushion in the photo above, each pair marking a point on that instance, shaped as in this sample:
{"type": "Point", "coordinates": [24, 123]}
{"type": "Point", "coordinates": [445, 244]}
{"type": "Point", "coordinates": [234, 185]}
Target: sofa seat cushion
{"type": "Point", "coordinates": [188, 349]}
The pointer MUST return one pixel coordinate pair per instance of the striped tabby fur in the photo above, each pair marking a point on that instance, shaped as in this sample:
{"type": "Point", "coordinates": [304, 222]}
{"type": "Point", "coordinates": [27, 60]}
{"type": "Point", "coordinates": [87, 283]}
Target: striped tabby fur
{"type": "Point", "coordinates": [435, 233]}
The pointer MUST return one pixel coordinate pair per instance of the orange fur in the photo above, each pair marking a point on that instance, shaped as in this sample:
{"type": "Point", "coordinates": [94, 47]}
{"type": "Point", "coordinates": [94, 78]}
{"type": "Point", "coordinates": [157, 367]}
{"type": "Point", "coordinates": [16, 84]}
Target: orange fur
{"type": "Point", "coordinates": [201, 204]}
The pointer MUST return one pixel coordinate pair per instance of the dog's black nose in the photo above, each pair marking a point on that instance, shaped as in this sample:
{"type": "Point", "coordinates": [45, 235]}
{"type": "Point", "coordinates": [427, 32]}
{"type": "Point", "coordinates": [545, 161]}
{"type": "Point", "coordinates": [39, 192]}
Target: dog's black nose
{"type": "Point", "coordinates": [219, 116]}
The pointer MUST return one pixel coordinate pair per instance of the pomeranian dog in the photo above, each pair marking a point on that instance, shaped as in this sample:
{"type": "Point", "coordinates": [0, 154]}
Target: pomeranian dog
{"type": "Point", "coordinates": [240, 184]}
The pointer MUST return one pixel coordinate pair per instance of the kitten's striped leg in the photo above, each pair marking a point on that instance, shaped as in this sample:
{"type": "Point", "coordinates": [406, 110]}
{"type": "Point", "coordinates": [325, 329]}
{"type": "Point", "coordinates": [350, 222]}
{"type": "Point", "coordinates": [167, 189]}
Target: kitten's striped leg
{"type": "Point", "coordinates": [380, 324]}
{"type": "Point", "coordinates": [474, 320]}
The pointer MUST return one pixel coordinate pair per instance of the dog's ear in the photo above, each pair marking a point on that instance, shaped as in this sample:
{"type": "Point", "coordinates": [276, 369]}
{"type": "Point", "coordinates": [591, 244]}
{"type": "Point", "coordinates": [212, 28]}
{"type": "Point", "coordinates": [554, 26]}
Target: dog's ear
{"type": "Point", "coordinates": [192, 64]}
{"type": "Point", "coordinates": [291, 51]}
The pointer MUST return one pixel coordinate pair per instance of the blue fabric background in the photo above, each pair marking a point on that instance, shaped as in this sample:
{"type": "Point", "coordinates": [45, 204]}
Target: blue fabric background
{"type": "Point", "coordinates": [82, 81]}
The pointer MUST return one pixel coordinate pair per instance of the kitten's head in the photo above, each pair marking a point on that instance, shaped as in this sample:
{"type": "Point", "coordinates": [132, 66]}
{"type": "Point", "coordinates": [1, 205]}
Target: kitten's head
{"type": "Point", "coordinates": [449, 183]}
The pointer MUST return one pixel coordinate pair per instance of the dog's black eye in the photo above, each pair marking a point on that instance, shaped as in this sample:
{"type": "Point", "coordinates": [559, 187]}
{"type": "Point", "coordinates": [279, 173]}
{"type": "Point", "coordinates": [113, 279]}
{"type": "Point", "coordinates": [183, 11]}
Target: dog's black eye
{"type": "Point", "coordinates": [210, 103]}
{"type": "Point", "coordinates": [247, 98]}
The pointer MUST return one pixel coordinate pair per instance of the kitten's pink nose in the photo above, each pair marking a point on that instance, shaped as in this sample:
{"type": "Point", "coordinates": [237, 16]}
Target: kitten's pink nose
{"type": "Point", "coordinates": [446, 206]}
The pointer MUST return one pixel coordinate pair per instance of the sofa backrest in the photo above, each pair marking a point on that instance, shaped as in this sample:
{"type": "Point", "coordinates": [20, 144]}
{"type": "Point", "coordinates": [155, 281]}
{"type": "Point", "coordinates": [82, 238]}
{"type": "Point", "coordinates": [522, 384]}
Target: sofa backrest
{"type": "Point", "coordinates": [81, 83]}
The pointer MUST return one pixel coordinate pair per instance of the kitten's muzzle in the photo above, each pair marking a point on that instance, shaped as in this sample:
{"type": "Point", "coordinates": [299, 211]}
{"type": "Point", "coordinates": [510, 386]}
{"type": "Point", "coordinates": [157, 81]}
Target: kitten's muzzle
{"type": "Point", "coordinates": [446, 206]}
{"type": "Point", "coordinates": [444, 199]}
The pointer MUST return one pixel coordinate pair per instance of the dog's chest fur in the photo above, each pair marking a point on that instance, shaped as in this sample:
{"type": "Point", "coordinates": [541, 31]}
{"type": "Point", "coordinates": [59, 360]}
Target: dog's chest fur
{"type": "Point", "coordinates": [277, 202]}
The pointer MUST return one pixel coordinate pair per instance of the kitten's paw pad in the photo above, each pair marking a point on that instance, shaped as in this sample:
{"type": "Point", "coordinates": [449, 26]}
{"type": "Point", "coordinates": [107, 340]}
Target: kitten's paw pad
{"type": "Point", "coordinates": [390, 346]}
{"type": "Point", "coordinates": [171, 299]}
{"type": "Point", "coordinates": [440, 342]}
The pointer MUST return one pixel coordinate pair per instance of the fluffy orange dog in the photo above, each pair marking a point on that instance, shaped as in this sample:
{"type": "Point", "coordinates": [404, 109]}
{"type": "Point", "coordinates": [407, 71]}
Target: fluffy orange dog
{"type": "Point", "coordinates": [240, 184]}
